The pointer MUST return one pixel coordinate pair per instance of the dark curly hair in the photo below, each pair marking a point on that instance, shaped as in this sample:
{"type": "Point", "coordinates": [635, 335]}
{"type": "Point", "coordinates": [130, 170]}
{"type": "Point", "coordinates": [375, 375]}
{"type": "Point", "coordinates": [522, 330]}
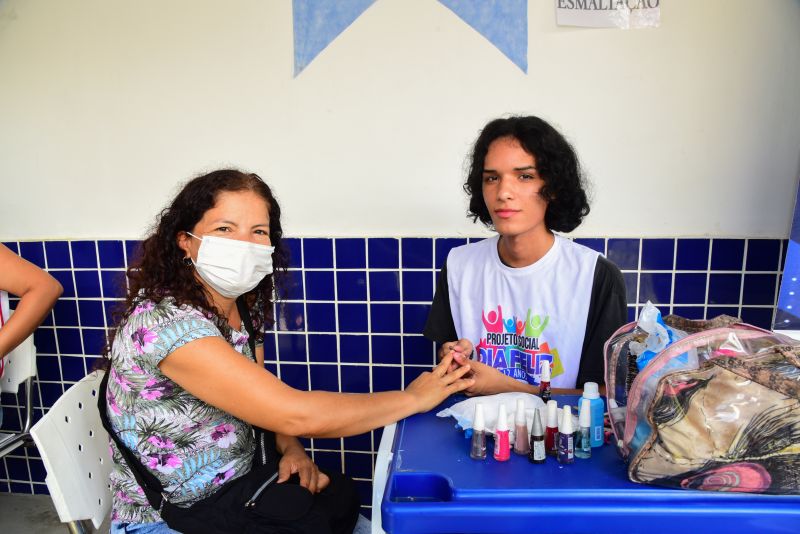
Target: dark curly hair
{"type": "Point", "coordinates": [159, 270]}
{"type": "Point", "coordinates": [556, 163]}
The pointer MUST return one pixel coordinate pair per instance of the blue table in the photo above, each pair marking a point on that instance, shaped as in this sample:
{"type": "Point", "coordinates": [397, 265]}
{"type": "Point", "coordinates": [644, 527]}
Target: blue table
{"type": "Point", "coordinates": [432, 486]}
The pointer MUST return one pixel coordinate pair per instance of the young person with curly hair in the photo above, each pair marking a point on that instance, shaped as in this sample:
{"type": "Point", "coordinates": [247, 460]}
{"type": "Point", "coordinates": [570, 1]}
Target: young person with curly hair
{"type": "Point", "coordinates": [526, 297]}
{"type": "Point", "coordinates": [185, 390]}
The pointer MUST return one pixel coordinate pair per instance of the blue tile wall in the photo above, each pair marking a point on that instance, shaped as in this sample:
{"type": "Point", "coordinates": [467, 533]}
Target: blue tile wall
{"type": "Point", "coordinates": [84, 254]}
{"type": "Point", "coordinates": [763, 255]}
{"type": "Point", "coordinates": [658, 254]}
{"type": "Point", "coordinates": [111, 254]}
{"type": "Point", "coordinates": [58, 254]}
{"type": "Point", "coordinates": [384, 286]}
{"type": "Point", "coordinates": [318, 253]}
{"type": "Point", "coordinates": [384, 253]}
{"type": "Point", "coordinates": [624, 253]}
{"type": "Point", "coordinates": [727, 254]}
{"type": "Point", "coordinates": [319, 285]}
{"type": "Point", "coordinates": [351, 253]}
{"type": "Point", "coordinates": [593, 243]}
{"type": "Point", "coordinates": [692, 254]}
{"type": "Point", "coordinates": [417, 253]}
{"type": "Point", "coordinates": [355, 308]}
{"type": "Point", "coordinates": [354, 348]}
{"type": "Point", "coordinates": [322, 348]}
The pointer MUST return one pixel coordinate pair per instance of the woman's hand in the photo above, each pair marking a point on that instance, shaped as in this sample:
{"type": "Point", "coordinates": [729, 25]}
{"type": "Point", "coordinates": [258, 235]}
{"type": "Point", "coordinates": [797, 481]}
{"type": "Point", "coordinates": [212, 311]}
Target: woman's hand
{"type": "Point", "coordinates": [295, 460]}
{"type": "Point", "coordinates": [431, 388]}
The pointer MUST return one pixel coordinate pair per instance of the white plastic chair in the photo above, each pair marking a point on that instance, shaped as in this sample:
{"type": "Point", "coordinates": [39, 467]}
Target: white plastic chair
{"type": "Point", "coordinates": [75, 451]}
{"type": "Point", "coordinates": [20, 367]}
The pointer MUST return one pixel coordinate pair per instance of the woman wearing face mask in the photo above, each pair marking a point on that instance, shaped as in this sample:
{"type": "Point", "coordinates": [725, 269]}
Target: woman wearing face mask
{"type": "Point", "coordinates": [185, 393]}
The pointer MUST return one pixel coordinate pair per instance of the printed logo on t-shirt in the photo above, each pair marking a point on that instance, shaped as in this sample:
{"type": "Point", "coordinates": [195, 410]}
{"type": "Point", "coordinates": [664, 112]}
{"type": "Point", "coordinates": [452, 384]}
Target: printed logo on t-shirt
{"type": "Point", "coordinates": [516, 347]}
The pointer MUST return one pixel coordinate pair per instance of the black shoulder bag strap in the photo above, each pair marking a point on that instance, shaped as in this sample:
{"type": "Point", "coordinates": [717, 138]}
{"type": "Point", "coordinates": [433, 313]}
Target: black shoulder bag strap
{"type": "Point", "coordinates": [265, 439]}
{"type": "Point", "coordinates": [150, 484]}
{"type": "Point", "coordinates": [152, 487]}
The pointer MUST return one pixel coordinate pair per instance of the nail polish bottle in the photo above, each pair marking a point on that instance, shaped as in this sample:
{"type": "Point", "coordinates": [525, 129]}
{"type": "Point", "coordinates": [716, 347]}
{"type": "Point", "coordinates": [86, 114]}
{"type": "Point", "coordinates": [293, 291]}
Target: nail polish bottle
{"type": "Point", "coordinates": [502, 448]}
{"type": "Point", "coordinates": [521, 439]}
{"type": "Point", "coordinates": [551, 428]}
{"type": "Point", "coordinates": [544, 382]}
{"type": "Point", "coordinates": [583, 445]}
{"type": "Point", "coordinates": [478, 449]}
{"type": "Point", "coordinates": [591, 392]}
{"type": "Point", "coordinates": [566, 438]}
{"type": "Point", "coordinates": [537, 454]}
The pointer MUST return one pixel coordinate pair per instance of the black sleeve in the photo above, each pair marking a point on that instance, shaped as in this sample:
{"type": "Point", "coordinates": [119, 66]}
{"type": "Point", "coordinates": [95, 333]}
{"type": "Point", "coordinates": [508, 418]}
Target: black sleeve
{"type": "Point", "coordinates": [440, 327]}
{"type": "Point", "coordinates": [607, 312]}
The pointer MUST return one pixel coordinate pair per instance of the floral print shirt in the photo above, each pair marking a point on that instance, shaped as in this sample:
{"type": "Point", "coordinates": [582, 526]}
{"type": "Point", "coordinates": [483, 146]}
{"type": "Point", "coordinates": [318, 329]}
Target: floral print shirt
{"type": "Point", "coordinates": [190, 446]}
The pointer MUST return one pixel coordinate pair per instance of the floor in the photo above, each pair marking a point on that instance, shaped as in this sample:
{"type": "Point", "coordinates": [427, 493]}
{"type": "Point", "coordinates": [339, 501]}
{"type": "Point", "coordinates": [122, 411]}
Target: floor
{"type": "Point", "coordinates": [31, 514]}
{"type": "Point", "coordinates": [35, 514]}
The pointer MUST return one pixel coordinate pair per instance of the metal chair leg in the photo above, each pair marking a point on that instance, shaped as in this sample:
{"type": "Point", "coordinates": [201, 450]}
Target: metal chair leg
{"type": "Point", "coordinates": [28, 405]}
{"type": "Point", "coordinates": [23, 437]}
{"type": "Point", "coordinates": [80, 527]}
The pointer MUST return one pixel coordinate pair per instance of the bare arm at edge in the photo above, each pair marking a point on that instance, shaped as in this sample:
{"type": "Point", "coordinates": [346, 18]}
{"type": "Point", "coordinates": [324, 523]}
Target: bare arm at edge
{"type": "Point", "coordinates": [37, 290]}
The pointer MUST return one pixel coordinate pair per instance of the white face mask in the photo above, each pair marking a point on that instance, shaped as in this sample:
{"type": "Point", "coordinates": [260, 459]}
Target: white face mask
{"type": "Point", "coordinates": [230, 266]}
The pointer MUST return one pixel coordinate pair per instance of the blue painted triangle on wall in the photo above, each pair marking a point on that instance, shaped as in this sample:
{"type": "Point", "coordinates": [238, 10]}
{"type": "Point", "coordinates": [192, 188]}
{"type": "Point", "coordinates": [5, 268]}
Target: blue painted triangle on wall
{"type": "Point", "coordinates": [503, 22]}
{"type": "Point", "coordinates": [318, 22]}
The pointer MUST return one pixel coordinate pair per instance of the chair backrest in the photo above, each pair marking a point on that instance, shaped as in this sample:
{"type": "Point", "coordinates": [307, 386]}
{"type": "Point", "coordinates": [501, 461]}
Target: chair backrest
{"type": "Point", "coordinates": [75, 451]}
{"type": "Point", "coordinates": [20, 364]}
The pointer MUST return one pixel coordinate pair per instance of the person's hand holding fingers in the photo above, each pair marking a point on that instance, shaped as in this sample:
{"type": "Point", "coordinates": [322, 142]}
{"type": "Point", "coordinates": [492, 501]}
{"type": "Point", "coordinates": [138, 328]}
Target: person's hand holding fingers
{"type": "Point", "coordinates": [461, 346]}
{"type": "Point", "coordinates": [432, 387]}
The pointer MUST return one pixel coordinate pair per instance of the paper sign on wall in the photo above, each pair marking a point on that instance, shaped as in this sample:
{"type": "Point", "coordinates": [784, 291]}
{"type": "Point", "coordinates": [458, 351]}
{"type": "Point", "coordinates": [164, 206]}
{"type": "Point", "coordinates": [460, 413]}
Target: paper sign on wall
{"type": "Point", "coordinates": [623, 14]}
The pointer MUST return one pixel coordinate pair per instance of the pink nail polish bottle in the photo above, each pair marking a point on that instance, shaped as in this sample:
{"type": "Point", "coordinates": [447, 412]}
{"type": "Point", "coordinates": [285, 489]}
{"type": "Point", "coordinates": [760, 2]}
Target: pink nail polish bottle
{"type": "Point", "coordinates": [502, 447]}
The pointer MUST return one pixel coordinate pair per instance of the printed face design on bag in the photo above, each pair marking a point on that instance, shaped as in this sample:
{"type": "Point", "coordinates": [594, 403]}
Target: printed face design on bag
{"type": "Point", "coordinates": [230, 245]}
{"type": "Point", "coordinates": [511, 186]}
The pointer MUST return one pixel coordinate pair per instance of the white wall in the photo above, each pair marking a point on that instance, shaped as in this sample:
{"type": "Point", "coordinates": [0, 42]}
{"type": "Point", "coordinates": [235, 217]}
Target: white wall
{"type": "Point", "coordinates": [105, 106]}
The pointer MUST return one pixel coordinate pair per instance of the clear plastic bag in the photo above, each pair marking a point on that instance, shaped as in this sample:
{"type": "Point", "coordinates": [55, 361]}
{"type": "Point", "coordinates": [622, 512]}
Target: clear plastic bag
{"type": "Point", "coordinates": [716, 410]}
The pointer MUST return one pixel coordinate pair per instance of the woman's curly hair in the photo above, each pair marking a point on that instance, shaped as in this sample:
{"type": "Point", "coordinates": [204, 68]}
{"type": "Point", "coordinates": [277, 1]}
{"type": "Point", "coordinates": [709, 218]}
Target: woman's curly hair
{"type": "Point", "coordinates": [159, 270]}
{"type": "Point", "coordinates": [556, 163]}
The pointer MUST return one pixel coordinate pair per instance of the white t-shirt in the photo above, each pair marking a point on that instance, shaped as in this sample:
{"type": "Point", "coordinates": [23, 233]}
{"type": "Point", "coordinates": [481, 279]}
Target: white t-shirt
{"type": "Point", "coordinates": [519, 317]}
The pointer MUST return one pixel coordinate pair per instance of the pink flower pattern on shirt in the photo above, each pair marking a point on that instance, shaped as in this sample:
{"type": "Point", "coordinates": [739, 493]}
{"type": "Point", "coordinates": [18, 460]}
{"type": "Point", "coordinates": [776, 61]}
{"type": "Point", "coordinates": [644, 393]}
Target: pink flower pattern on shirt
{"type": "Point", "coordinates": [154, 389]}
{"type": "Point", "coordinates": [143, 340]}
{"type": "Point", "coordinates": [190, 446]}
{"type": "Point", "coordinates": [112, 403]}
{"type": "Point", "coordinates": [161, 443]}
{"type": "Point", "coordinates": [123, 497]}
{"type": "Point", "coordinates": [123, 382]}
{"type": "Point", "coordinates": [166, 463]}
{"type": "Point", "coordinates": [143, 307]}
{"type": "Point", "coordinates": [224, 435]}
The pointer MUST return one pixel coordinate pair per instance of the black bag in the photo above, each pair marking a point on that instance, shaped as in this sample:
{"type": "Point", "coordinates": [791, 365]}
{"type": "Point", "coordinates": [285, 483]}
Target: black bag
{"type": "Point", "coordinates": [253, 503]}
